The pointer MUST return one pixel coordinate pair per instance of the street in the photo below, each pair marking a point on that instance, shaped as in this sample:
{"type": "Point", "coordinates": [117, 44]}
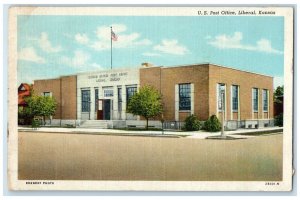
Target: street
{"type": "Point", "coordinates": [61, 156]}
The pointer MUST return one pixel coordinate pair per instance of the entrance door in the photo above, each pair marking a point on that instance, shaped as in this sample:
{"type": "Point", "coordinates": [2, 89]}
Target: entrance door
{"type": "Point", "coordinates": [100, 110]}
{"type": "Point", "coordinates": [106, 109]}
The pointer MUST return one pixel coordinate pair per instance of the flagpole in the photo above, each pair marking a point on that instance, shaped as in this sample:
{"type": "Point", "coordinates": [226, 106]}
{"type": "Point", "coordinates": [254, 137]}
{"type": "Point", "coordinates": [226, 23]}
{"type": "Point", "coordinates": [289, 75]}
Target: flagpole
{"type": "Point", "coordinates": [111, 47]}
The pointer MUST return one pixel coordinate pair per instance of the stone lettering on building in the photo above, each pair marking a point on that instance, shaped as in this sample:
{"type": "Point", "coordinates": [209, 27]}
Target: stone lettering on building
{"type": "Point", "coordinates": [108, 77]}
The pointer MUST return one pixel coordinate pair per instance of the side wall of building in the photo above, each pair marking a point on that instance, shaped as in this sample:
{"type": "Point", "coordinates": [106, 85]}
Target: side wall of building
{"type": "Point", "coordinates": [63, 89]}
{"type": "Point", "coordinates": [53, 86]}
{"type": "Point", "coordinates": [246, 81]}
{"type": "Point", "coordinates": [167, 80]}
{"type": "Point", "coordinates": [68, 97]}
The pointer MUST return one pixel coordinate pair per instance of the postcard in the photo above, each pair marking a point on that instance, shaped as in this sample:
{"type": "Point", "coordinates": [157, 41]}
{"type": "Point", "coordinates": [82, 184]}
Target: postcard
{"type": "Point", "coordinates": [150, 98]}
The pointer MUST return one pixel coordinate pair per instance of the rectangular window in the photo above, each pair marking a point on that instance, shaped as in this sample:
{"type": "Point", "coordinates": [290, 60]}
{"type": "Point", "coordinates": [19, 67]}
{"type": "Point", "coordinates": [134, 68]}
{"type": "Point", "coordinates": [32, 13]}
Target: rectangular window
{"type": "Point", "coordinates": [255, 99]}
{"type": "Point", "coordinates": [85, 100]}
{"type": "Point", "coordinates": [221, 90]}
{"type": "Point", "coordinates": [265, 100]}
{"type": "Point", "coordinates": [184, 96]}
{"type": "Point", "coordinates": [96, 98]}
{"type": "Point", "coordinates": [235, 98]}
{"type": "Point", "coordinates": [47, 94]}
{"type": "Point", "coordinates": [130, 91]}
{"type": "Point", "coordinates": [108, 93]}
{"type": "Point", "coordinates": [119, 99]}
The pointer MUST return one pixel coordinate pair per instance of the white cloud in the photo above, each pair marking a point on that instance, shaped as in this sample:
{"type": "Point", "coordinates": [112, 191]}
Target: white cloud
{"type": "Point", "coordinates": [265, 46]}
{"type": "Point", "coordinates": [100, 45]}
{"type": "Point", "coordinates": [80, 60]}
{"type": "Point", "coordinates": [125, 40]}
{"type": "Point", "coordinates": [81, 38]}
{"type": "Point", "coordinates": [95, 66]}
{"type": "Point", "coordinates": [235, 42]}
{"type": "Point", "coordinates": [29, 54]}
{"type": "Point", "coordinates": [278, 81]}
{"type": "Point", "coordinates": [171, 47]}
{"type": "Point", "coordinates": [151, 54]}
{"type": "Point", "coordinates": [46, 45]}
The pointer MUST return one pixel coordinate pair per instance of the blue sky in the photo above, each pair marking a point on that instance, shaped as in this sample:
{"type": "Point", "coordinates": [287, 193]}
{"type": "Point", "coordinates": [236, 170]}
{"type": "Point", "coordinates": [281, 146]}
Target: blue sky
{"type": "Point", "coordinates": [51, 46]}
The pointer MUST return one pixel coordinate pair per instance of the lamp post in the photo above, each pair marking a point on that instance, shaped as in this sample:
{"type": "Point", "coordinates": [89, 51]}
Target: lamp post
{"type": "Point", "coordinates": [90, 102]}
{"type": "Point", "coordinates": [162, 120]}
{"type": "Point", "coordinates": [223, 112]}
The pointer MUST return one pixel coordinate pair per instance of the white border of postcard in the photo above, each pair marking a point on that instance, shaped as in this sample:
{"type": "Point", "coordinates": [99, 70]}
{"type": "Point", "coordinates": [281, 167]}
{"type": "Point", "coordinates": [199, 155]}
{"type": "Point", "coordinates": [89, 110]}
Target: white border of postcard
{"type": "Point", "coordinates": [15, 184]}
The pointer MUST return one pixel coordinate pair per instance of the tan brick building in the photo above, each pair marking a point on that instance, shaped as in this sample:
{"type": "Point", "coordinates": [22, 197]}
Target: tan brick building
{"type": "Point", "coordinates": [63, 89]}
{"type": "Point", "coordinates": [192, 89]}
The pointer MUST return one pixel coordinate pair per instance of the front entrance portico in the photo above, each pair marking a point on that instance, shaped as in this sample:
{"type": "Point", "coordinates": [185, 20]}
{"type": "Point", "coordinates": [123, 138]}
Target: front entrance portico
{"type": "Point", "coordinates": [103, 95]}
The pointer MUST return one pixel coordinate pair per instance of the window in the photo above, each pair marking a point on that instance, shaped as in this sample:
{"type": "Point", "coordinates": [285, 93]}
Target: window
{"type": "Point", "coordinates": [235, 98]}
{"type": "Point", "coordinates": [221, 89]}
{"type": "Point", "coordinates": [96, 98]}
{"type": "Point", "coordinates": [184, 96]}
{"type": "Point", "coordinates": [255, 99]}
{"type": "Point", "coordinates": [119, 99]}
{"type": "Point", "coordinates": [130, 91]}
{"type": "Point", "coordinates": [47, 94]}
{"type": "Point", "coordinates": [108, 93]}
{"type": "Point", "coordinates": [85, 101]}
{"type": "Point", "coordinates": [265, 100]}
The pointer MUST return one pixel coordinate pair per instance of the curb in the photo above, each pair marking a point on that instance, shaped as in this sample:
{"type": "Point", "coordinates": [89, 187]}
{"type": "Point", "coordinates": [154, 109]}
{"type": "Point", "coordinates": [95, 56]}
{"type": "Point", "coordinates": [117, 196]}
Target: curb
{"type": "Point", "coordinates": [111, 134]}
{"type": "Point", "coordinates": [260, 132]}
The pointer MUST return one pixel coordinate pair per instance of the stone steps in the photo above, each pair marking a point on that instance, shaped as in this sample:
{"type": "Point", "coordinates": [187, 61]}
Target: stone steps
{"type": "Point", "coordinates": [103, 124]}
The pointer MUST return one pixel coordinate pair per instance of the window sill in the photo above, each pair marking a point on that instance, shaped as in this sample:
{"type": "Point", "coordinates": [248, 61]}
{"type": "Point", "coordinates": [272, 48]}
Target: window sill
{"type": "Point", "coordinates": [184, 110]}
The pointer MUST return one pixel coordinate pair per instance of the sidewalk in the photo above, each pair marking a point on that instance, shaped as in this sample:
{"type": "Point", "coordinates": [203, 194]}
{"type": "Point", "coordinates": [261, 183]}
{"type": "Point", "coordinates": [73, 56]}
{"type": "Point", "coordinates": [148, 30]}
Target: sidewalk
{"type": "Point", "coordinates": [176, 134]}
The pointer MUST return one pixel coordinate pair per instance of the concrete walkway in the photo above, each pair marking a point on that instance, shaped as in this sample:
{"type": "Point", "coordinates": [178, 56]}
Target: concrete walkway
{"type": "Point", "coordinates": [191, 134]}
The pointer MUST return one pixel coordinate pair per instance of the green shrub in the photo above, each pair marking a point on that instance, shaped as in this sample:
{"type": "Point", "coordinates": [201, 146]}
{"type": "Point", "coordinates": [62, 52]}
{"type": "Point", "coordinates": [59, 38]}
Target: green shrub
{"type": "Point", "coordinates": [35, 124]}
{"type": "Point", "coordinates": [70, 126]}
{"type": "Point", "coordinates": [192, 123]}
{"type": "Point", "coordinates": [25, 116]}
{"type": "Point", "coordinates": [212, 124]}
{"type": "Point", "coordinates": [278, 120]}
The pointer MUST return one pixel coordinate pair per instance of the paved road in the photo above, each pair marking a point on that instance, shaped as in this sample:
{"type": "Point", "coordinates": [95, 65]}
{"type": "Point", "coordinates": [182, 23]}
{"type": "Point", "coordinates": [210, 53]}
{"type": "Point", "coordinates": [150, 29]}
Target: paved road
{"type": "Point", "coordinates": [106, 157]}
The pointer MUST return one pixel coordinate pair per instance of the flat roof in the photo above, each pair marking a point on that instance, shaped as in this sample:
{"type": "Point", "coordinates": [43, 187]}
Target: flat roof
{"type": "Point", "coordinates": [208, 63]}
{"type": "Point", "coordinates": [141, 67]}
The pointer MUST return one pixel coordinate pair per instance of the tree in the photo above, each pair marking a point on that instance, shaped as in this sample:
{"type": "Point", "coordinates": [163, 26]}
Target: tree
{"type": "Point", "coordinates": [146, 102]}
{"type": "Point", "coordinates": [278, 94]}
{"type": "Point", "coordinates": [41, 106]}
{"type": "Point", "coordinates": [278, 106]}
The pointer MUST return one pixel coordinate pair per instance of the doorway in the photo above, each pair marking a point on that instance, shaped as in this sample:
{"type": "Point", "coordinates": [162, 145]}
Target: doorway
{"type": "Point", "coordinates": [106, 109]}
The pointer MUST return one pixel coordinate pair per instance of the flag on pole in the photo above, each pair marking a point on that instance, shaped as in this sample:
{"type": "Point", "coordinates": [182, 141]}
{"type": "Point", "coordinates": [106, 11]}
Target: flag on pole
{"type": "Point", "coordinates": [114, 37]}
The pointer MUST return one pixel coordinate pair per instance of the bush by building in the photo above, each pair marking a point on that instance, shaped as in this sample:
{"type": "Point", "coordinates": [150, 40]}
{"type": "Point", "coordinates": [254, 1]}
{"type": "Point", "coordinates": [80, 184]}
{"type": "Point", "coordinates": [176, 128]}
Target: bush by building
{"type": "Point", "coordinates": [192, 123]}
{"type": "Point", "coordinates": [278, 120]}
{"type": "Point", "coordinates": [212, 124]}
